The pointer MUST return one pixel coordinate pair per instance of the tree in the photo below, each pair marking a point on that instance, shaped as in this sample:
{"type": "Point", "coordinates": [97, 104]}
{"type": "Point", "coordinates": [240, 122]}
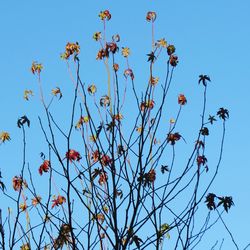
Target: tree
{"type": "Point", "coordinates": [111, 174]}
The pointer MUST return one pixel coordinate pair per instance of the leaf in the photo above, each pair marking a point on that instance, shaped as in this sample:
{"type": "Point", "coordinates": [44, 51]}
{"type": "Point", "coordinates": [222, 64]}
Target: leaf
{"type": "Point", "coordinates": [2, 186]}
{"type": "Point", "coordinates": [226, 201]}
{"type": "Point", "coordinates": [210, 201]}
{"type": "Point", "coordinates": [99, 129]}
{"type": "Point", "coordinates": [42, 155]}
{"type": "Point", "coordinates": [164, 168]}
{"type": "Point", "coordinates": [21, 121]}
{"type": "Point", "coordinates": [151, 57]}
{"type": "Point", "coordinates": [223, 113]}
{"type": "Point", "coordinates": [204, 131]}
{"type": "Point", "coordinates": [203, 79]}
{"type": "Point", "coordinates": [211, 119]}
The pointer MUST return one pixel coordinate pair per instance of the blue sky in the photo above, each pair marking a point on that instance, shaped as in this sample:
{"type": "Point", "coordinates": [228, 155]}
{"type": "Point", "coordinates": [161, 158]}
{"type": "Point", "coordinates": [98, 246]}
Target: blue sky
{"type": "Point", "coordinates": [211, 37]}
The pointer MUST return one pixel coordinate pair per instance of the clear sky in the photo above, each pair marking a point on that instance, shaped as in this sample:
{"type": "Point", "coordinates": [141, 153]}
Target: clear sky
{"type": "Point", "coordinates": [211, 37]}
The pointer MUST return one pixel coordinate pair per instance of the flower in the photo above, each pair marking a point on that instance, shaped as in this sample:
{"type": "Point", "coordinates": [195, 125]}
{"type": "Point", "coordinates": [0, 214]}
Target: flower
{"type": "Point", "coordinates": [139, 129]}
{"type": "Point", "coordinates": [105, 160]}
{"type": "Point", "coordinates": [73, 155]}
{"type": "Point", "coordinates": [154, 80]}
{"type": "Point", "coordinates": [83, 119]}
{"type": "Point", "coordinates": [172, 121]}
{"type": "Point", "coordinates": [149, 104]}
{"type": "Point", "coordinates": [93, 138]}
{"type": "Point", "coordinates": [57, 91]}
{"type": "Point", "coordinates": [102, 53]}
{"type": "Point", "coordinates": [112, 47]}
{"type": "Point", "coordinates": [36, 68]}
{"type": "Point", "coordinates": [97, 36]}
{"type": "Point", "coordinates": [125, 51]}
{"type": "Point", "coordinates": [151, 16]}
{"type": "Point", "coordinates": [182, 99]}
{"type": "Point", "coordinates": [118, 117]}
{"type": "Point", "coordinates": [44, 168]}
{"type": "Point", "coordinates": [173, 60]}
{"type": "Point", "coordinates": [151, 175]}
{"type": "Point", "coordinates": [116, 38]}
{"type": "Point", "coordinates": [201, 160]}
{"type": "Point", "coordinates": [23, 206]}
{"type": "Point", "coordinates": [170, 49]}
{"type": "Point", "coordinates": [105, 101]}
{"type": "Point", "coordinates": [116, 67]}
{"type": "Point", "coordinates": [105, 15]}
{"type": "Point", "coordinates": [92, 89]}
{"type": "Point", "coordinates": [129, 72]}
{"type": "Point", "coordinates": [4, 136]}
{"type": "Point", "coordinates": [18, 182]}
{"type": "Point", "coordinates": [25, 247]}
{"type": "Point", "coordinates": [173, 137]}
{"type": "Point", "coordinates": [199, 144]}
{"type": "Point", "coordinates": [161, 43]}
{"type": "Point", "coordinates": [100, 217]}
{"type": "Point", "coordinates": [27, 93]}
{"type": "Point", "coordinates": [36, 200]}
{"type": "Point", "coordinates": [103, 177]}
{"type": "Point", "coordinates": [58, 201]}
{"type": "Point", "coordinates": [71, 49]}
{"type": "Point", "coordinates": [95, 156]}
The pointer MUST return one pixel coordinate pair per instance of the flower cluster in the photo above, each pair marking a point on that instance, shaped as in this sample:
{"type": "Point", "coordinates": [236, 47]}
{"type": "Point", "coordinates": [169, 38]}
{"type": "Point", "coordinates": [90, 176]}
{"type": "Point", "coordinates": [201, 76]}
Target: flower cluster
{"type": "Point", "coordinates": [125, 51]}
{"type": "Point", "coordinates": [103, 178]}
{"type": "Point", "coordinates": [105, 15]}
{"type": "Point", "coordinates": [58, 201]}
{"type": "Point", "coordinates": [173, 138]}
{"type": "Point", "coordinates": [36, 200]}
{"type": "Point", "coordinates": [36, 68]}
{"type": "Point", "coordinates": [18, 183]}
{"type": "Point", "coordinates": [147, 178]}
{"type": "Point", "coordinates": [182, 99]}
{"type": "Point", "coordinates": [44, 168]}
{"type": "Point", "coordinates": [92, 89]}
{"type": "Point", "coordinates": [154, 80]}
{"type": "Point", "coordinates": [71, 49]}
{"type": "Point", "coordinates": [201, 160]}
{"type": "Point", "coordinates": [81, 121]}
{"type": "Point", "coordinates": [147, 105]}
{"type": "Point", "coordinates": [4, 136]}
{"type": "Point", "coordinates": [56, 92]}
{"type": "Point", "coordinates": [105, 160]}
{"type": "Point", "coordinates": [105, 101]}
{"type": "Point", "coordinates": [173, 60]}
{"type": "Point", "coordinates": [151, 16]}
{"type": "Point", "coordinates": [73, 155]}
{"type": "Point", "coordinates": [129, 72]}
{"type": "Point", "coordinates": [27, 93]}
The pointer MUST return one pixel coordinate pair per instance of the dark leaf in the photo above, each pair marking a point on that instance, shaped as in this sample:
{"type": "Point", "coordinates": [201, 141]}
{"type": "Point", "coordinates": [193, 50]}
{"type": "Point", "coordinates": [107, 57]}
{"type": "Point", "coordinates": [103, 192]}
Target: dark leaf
{"type": "Point", "coordinates": [99, 129]}
{"type": "Point", "coordinates": [21, 121]}
{"type": "Point", "coordinates": [210, 201]}
{"type": "Point", "coordinates": [211, 119]}
{"type": "Point", "coordinates": [164, 169]}
{"type": "Point", "coordinates": [223, 113]}
{"type": "Point", "coordinates": [204, 131]}
{"type": "Point", "coordinates": [42, 155]}
{"type": "Point", "coordinates": [203, 79]}
{"type": "Point", "coordinates": [226, 201]}
{"type": "Point", "coordinates": [151, 57]}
